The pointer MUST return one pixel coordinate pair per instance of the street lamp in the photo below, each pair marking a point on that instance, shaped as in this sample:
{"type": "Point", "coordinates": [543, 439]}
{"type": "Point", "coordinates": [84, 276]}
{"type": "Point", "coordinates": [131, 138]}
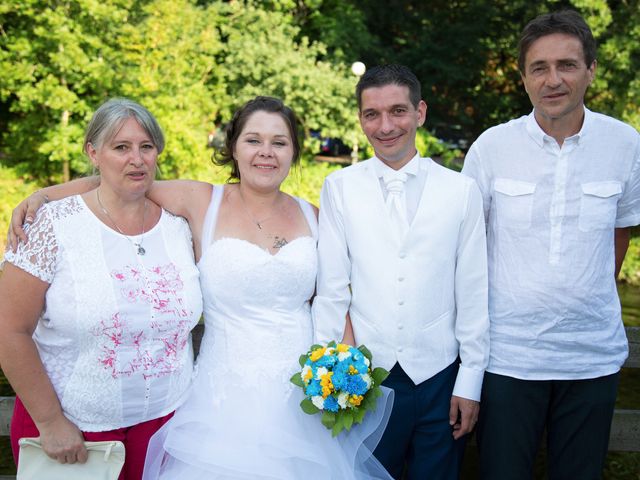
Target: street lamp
{"type": "Point", "coordinates": [358, 69]}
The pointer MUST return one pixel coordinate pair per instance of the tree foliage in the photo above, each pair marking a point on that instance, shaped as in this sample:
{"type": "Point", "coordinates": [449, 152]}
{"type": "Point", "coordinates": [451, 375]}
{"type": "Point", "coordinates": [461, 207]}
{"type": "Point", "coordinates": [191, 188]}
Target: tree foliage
{"type": "Point", "coordinates": [464, 52]}
{"type": "Point", "coordinates": [192, 62]}
{"type": "Point", "coordinates": [57, 59]}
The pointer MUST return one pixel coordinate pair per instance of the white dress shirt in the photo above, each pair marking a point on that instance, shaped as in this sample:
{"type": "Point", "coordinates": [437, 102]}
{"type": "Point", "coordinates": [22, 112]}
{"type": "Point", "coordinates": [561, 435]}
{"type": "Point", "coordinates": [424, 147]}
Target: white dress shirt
{"type": "Point", "coordinates": [413, 186]}
{"type": "Point", "coordinates": [419, 300]}
{"type": "Point", "coordinates": [551, 214]}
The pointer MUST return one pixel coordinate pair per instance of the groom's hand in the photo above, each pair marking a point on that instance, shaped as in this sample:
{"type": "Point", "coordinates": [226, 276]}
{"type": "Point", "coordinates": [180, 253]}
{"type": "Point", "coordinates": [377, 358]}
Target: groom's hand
{"type": "Point", "coordinates": [463, 415]}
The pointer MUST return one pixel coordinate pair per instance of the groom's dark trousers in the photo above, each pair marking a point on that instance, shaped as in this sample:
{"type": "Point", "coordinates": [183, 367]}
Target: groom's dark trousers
{"type": "Point", "coordinates": [418, 432]}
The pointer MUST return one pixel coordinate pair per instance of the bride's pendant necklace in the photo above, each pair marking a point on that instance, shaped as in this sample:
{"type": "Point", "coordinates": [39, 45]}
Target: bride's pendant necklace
{"type": "Point", "coordinates": [278, 242]}
{"type": "Point", "coordinates": [257, 223]}
{"type": "Point", "coordinates": [139, 248]}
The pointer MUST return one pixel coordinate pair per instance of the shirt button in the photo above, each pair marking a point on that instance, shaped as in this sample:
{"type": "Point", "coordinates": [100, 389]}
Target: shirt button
{"type": "Point", "coordinates": [401, 279]}
{"type": "Point", "coordinates": [399, 349]}
{"type": "Point", "coordinates": [400, 326]}
{"type": "Point", "coordinates": [402, 255]}
{"type": "Point", "coordinates": [400, 302]}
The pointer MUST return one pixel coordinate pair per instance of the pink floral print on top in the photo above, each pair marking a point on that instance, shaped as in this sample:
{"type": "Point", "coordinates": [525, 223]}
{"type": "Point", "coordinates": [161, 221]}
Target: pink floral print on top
{"type": "Point", "coordinates": [154, 346]}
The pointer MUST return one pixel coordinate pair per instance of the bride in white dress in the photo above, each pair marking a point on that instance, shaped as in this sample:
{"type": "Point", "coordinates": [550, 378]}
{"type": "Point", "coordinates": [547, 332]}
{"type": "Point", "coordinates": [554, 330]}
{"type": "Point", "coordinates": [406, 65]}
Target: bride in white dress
{"type": "Point", "coordinates": [257, 259]}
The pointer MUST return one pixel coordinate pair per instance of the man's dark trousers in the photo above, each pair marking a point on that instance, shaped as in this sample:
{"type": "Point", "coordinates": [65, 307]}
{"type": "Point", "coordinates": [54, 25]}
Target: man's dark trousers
{"type": "Point", "coordinates": [418, 432]}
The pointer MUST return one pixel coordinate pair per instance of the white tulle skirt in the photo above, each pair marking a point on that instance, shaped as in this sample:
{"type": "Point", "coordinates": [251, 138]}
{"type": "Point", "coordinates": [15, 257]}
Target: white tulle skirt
{"type": "Point", "coordinates": [230, 430]}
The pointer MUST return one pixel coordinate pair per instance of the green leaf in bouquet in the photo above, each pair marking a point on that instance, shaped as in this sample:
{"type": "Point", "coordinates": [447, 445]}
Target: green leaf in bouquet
{"type": "Point", "coordinates": [365, 351]}
{"type": "Point", "coordinates": [296, 379]}
{"type": "Point", "coordinates": [332, 343]}
{"type": "Point", "coordinates": [379, 375]}
{"type": "Point", "coordinates": [308, 407]}
{"type": "Point", "coordinates": [328, 419]}
{"type": "Point", "coordinates": [315, 346]}
{"type": "Point", "coordinates": [369, 401]}
{"type": "Point", "coordinates": [339, 425]}
{"type": "Point", "coordinates": [358, 414]}
{"type": "Point", "coordinates": [303, 359]}
{"type": "Point", "coordinates": [348, 419]}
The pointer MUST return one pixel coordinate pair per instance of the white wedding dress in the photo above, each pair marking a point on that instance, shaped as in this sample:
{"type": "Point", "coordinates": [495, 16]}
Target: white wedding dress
{"type": "Point", "coordinates": [242, 419]}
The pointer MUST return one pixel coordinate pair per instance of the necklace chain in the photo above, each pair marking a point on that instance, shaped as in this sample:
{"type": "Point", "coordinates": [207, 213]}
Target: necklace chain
{"type": "Point", "coordinates": [258, 223]}
{"type": "Point", "coordinates": [139, 248]}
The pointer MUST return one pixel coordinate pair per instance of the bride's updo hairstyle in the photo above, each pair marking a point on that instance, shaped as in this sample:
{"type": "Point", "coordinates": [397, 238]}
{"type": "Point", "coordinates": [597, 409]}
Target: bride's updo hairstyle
{"type": "Point", "coordinates": [224, 156]}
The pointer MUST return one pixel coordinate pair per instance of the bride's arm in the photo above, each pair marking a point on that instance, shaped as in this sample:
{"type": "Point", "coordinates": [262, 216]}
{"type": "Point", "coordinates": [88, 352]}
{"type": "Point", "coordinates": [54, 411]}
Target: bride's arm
{"type": "Point", "coordinates": [186, 198]}
{"type": "Point", "coordinates": [26, 210]}
{"type": "Point", "coordinates": [348, 337]}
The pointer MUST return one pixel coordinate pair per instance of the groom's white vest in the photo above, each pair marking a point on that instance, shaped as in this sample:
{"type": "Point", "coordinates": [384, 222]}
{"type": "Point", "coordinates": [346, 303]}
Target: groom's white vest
{"type": "Point", "coordinates": [407, 292]}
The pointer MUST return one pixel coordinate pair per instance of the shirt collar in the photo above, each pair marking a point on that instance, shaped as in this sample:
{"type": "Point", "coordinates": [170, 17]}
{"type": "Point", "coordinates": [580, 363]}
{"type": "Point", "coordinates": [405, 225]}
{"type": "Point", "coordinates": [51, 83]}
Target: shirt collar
{"type": "Point", "coordinates": [411, 168]}
{"type": "Point", "coordinates": [539, 136]}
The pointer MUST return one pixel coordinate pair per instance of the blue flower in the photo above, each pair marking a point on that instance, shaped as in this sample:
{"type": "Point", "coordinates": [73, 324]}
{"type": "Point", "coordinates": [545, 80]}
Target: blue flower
{"type": "Point", "coordinates": [356, 385]}
{"type": "Point", "coordinates": [339, 379]}
{"type": "Point", "coordinates": [326, 361]}
{"type": "Point", "coordinates": [314, 388]}
{"type": "Point", "coordinates": [331, 404]}
{"type": "Point", "coordinates": [361, 366]}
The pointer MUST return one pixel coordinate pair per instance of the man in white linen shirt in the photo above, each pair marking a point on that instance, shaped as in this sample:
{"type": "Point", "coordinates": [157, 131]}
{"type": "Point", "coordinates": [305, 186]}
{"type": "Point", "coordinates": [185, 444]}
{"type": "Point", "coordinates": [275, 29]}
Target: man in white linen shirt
{"type": "Point", "coordinates": [560, 188]}
{"type": "Point", "coordinates": [413, 279]}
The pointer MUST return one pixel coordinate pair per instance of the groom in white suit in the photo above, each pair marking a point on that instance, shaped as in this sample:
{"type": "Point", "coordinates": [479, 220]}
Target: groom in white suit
{"type": "Point", "coordinates": [402, 249]}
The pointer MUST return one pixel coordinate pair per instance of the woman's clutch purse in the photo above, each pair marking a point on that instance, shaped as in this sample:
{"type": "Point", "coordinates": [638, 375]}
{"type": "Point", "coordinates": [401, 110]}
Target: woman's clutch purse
{"type": "Point", "coordinates": [104, 463]}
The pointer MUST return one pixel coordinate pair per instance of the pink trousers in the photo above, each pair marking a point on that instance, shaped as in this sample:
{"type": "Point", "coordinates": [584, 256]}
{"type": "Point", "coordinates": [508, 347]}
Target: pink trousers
{"type": "Point", "coordinates": [135, 439]}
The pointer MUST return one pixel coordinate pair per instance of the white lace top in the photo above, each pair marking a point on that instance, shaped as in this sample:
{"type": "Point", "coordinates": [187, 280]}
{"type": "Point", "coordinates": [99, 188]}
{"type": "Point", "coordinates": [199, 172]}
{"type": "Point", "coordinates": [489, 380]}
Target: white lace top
{"type": "Point", "coordinates": [115, 334]}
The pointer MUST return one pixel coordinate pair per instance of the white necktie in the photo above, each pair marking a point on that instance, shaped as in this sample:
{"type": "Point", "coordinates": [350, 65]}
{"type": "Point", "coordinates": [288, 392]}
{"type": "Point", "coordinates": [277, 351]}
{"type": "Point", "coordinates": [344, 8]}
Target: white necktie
{"type": "Point", "coordinates": [396, 200]}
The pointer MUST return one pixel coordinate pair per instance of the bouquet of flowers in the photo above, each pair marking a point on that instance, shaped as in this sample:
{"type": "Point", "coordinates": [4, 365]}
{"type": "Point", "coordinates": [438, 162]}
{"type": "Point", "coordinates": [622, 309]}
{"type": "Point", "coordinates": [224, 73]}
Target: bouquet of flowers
{"type": "Point", "coordinates": [337, 380]}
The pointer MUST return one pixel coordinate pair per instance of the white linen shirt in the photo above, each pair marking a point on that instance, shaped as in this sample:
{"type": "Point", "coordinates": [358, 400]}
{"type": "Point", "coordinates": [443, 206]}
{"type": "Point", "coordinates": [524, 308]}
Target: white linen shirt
{"type": "Point", "coordinates": [420, 300]}
{"type": "Point", "coordinates": [115, 335]}
{"type": "Point", "coordinates": [551, 212]}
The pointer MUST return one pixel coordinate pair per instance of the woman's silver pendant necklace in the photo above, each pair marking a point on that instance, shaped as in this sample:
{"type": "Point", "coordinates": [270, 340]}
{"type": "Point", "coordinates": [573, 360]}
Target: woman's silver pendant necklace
{"type": "Point", "coordinates": [139, 248]}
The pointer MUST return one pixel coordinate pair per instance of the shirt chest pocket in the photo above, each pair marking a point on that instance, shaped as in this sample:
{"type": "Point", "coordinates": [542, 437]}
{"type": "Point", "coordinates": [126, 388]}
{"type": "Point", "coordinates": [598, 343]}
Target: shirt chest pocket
{"type": "Point", "coordinates": [598, 205]}
{"type": "Point", "coordinates": [513, 202]}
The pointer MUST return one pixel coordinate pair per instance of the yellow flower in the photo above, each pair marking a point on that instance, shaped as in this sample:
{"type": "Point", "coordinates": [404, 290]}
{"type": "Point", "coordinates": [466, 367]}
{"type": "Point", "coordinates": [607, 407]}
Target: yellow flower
{"type": "Point", "coordinates": [342, 347]}
{"type": "Point", "coordinates": [308, 375]}
{"type": "Point", "coordinates": [355, 400]}
{"type": "Point", "coordinates": [352, 370]}
{"type": "Point", "coordinates": [326, 384]}
{"type": "Point", "coordinates": [317, 354]}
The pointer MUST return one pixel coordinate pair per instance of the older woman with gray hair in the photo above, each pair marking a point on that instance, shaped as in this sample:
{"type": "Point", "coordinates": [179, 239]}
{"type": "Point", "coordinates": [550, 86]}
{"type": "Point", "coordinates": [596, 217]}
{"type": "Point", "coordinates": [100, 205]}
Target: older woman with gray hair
{"type": "Point", "coordinates": [96, 308]}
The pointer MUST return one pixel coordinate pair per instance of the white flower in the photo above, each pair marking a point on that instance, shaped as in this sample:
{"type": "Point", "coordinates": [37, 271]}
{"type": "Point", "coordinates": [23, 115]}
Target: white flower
{"type": "Point", "coordinates": [343, 355]}
{"type": "Point", "coordinates": [367, 379]}
{"type": "Point", "coordinates": [342, 400]}
{"type": "Point", "coordinates": [329, 351]}
{"type": "Point", "coordinates": [318, 401]}
{"type": "Point", "coordinates": [305, 372]}
{"type": "Point", "coordinates": [320, 372]}
{"type": "Point", "coordinates": [367, 362]}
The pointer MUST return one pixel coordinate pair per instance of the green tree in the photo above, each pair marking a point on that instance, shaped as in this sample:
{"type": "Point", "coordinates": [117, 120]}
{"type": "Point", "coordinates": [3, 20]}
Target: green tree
{"type": "Point", "coordinates": [56, 60]}
{"type": "Point", "coordinates": [264, 54]}
{"type": "Point", "coordinates": [191, 63]}
{"type": "Point", "coordinates": [172, 70]}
